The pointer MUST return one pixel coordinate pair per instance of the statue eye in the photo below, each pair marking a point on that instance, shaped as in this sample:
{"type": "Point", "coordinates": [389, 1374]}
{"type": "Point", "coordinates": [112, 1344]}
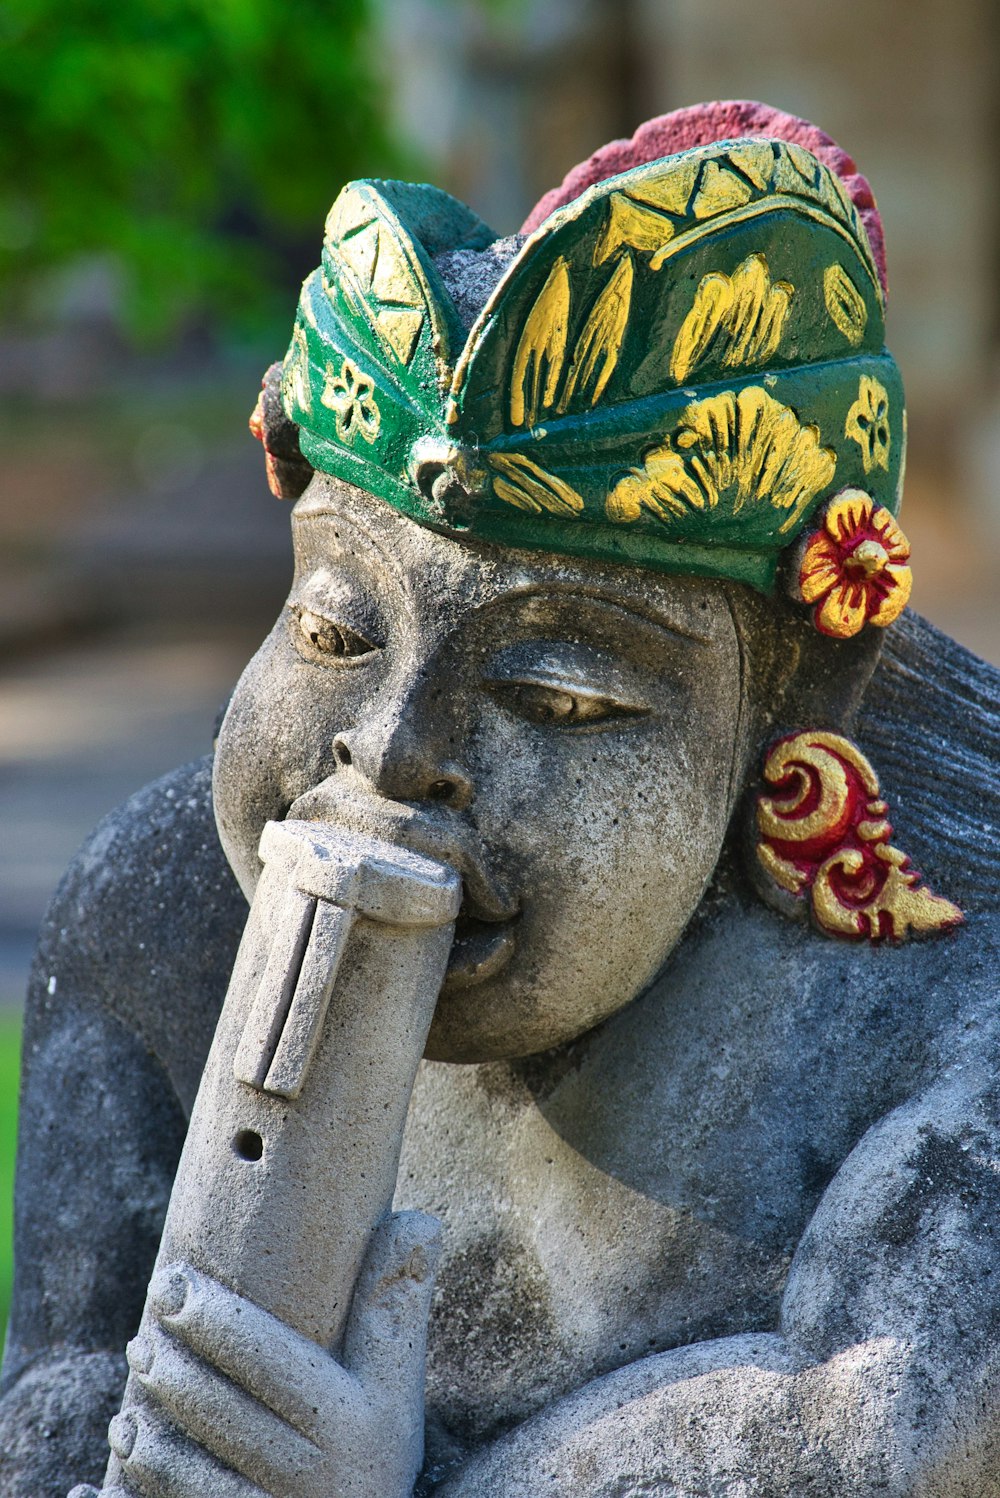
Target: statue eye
{"type": "Point", "coordinates": [540, 703]}
{"type": "Point", "coordinates": [315, 634]}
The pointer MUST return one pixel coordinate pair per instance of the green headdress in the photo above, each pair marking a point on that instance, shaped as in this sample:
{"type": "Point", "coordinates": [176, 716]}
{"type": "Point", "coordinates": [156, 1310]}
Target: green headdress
{"type": "Point", "coordinates": [677, 370]}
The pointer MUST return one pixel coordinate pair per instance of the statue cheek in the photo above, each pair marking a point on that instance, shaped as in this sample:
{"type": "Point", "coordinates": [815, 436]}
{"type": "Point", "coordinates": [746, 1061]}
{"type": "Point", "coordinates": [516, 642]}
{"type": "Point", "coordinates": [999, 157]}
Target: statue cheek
{"type": "Point", "coordinates": [262, 759]}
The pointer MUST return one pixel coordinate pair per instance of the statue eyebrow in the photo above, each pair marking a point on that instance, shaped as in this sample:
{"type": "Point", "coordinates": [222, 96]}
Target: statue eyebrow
{"type": "Point", "coordinates": [647, 611]}
{"type": "Point", "coordinates": [643, 609]}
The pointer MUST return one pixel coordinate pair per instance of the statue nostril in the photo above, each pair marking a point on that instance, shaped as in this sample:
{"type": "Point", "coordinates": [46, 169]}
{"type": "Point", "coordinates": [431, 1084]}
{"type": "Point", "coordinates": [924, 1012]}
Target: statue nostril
{"type": "Point", "coordinates": [441, 790]}
{"type": "Point", "coordinates": [342, 753]}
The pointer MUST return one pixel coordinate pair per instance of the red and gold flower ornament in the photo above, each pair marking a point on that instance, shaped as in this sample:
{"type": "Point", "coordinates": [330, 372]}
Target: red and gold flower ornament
{"type": "Point", "coordinates": [854, 568]}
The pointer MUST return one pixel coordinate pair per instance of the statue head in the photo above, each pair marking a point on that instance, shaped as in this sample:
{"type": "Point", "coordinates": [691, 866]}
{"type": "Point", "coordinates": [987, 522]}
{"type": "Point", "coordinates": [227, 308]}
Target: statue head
{"type": "Point", "coordinates": [583, 517]}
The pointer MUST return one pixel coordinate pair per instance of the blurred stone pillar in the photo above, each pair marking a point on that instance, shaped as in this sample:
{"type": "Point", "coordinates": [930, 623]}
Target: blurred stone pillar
{"type": "Point", "coordinates": [500, 99]}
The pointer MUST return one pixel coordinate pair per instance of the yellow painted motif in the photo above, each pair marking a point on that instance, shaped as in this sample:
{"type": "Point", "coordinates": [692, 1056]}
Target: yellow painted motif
{"type": "Point", "coordinates": [359, 251]}
{"type": "Point", "coordinates": [392, 295]}
{"type": "Point", "coordinates": [854, 568]}
{"type": "Point", "coordinates": [521, 483]}
{"type": "Point", "coordinates": [845, 304]}
{"type": "Point", "coordinates": [755, 160]}
{"type": "Point", "coordinates": [744, 312]}
{"type": "Point", "coordinates": [351, 396]}
{"type": "Point", "coordinates": [350, 211]}
{"type": "Point", "coordinates": [669, 189]}
{"type": "Point", "coordinates": [908, 905]}
{"type": "Point", "coordinates": [739, 449]}
{"type": "Point", "coordinates": [599, 344]}
{"type": "Point", "coordinates": [818, 762]}
{"type": "Point", "coordinates": [295, 373]}
{"type": "Point", "coordinates": [636, 226]}
{"type": "Point", "coordinates": [868, 424]}
{"type": "Point", "coordinates": [378, 266]}
{"type": "Point", "coordinates": [769, 175]}
{"type": "Point", "coordinates": [541, 349]}
{"type": "Point", "coordinates": [797, 172]}
{"type": "Point", "coordinates": [720, 190]}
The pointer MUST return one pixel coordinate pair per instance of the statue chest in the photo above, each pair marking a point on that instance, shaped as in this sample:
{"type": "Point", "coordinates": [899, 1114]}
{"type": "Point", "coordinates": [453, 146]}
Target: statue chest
{"type": "Point", "coordinates": [554, 1269]}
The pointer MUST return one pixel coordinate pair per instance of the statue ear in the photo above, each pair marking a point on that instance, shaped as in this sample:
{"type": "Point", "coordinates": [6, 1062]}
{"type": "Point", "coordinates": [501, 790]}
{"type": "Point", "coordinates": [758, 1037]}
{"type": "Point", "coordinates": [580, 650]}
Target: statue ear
{"type": "Point", "coordinates": [830, 677]}
{"type": "Point", "coordinates": [814, 826]}
{"type": "Point", "coordinates": [288, 472]}
{"type": "Point", "coordinates": [792, 674]}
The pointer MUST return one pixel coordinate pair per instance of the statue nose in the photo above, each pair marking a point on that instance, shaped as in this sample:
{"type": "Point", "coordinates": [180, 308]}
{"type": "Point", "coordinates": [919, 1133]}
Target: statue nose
{"type": "Point", "coordinates": [396, 771]}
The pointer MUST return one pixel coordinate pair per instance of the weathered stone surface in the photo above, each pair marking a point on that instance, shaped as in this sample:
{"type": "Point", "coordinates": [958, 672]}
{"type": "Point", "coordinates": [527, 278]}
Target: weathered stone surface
{"type": "Point", "coordinates": [682, 1150]}
{"type": "Point", "coordinates": [717, 1195]}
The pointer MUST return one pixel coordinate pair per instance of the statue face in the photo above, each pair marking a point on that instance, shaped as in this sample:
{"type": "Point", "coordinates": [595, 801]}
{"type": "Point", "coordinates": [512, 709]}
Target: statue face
{"type": "Point", "coordinates": [566, 735]}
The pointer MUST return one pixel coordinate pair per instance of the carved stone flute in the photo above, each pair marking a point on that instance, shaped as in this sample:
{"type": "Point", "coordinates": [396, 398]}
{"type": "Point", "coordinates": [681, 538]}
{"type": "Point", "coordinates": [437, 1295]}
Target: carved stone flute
{"type": "Point", "coordinates": [293, 1146]}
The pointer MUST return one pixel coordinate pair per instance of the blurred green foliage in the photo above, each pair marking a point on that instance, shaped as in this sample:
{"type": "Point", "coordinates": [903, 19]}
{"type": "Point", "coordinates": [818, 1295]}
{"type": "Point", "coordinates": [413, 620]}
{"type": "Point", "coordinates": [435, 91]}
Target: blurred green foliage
{"type": "Point", "coordinates": [10, 1050]}
{"type": "Point", "coordinates": [197, 142]}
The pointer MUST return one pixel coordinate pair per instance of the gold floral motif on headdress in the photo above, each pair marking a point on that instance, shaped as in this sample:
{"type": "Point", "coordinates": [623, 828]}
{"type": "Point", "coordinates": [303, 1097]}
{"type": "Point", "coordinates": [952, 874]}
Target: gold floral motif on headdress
{"type": "Point", "coordinates": [845, 304]}
{"type": "Point", "coordinates": [868, 424]}
{"type": "Point", "coordinates": [541, 379]}
{"type": "Point", "coordinates": [744, 313]}
{"type": "Point", "coordinates": [295, 377]}
{"type": "Point", "coordinates": [732, 449]}
{"type": "Point", "coordinates": [351, 396]}
{"type": "Point", "coordinates": [526, 486]}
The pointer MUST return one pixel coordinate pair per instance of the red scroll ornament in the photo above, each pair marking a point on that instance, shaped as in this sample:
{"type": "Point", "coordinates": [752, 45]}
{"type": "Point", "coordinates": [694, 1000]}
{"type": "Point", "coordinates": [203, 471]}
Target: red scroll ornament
{"type": "Point", "coordinates": [822, 832]}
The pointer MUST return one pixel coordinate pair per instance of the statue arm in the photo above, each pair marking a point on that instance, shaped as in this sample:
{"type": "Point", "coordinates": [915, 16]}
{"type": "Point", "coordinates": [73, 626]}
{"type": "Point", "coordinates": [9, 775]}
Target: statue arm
{"type": "Point", "coordinates": [96, 1158]}
{"type": "Point", "coordinates": [102, 1122]}
{"type": "Point", "coordinates": [877, 1380]}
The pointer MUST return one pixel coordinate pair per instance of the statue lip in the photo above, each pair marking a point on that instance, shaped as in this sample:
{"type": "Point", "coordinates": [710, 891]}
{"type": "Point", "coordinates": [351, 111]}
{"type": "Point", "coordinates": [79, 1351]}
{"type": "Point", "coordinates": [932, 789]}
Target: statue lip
{"type": "Point", "coordinates": [482, 948]}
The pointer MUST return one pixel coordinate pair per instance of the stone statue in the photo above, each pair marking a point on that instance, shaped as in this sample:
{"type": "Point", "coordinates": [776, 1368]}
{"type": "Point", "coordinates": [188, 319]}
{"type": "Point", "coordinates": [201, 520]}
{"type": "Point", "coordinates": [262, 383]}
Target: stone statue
{"type": "Point", "coordinates": [595, 708]}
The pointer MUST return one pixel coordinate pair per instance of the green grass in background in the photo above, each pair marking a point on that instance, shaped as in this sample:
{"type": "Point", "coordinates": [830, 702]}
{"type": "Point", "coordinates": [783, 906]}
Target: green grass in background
{"type": "Point", "coordinates": [10, 1052]}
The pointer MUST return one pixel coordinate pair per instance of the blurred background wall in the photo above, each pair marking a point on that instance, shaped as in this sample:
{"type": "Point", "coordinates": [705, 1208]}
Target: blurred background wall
{"type": "Point", "coordinates": [166, 168]}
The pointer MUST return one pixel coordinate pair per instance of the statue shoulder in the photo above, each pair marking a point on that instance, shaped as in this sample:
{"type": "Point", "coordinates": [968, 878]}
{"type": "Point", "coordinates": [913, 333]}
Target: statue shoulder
{"type": "Point", "coordinates": [146, 922]}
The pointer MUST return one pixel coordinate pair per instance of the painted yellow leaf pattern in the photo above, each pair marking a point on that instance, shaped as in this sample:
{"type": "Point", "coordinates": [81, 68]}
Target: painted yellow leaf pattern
{"type": "Point", "coordinates": [634, 225]}
{"type": "Point", "coordinates": [670, 189]}
{"type": "Point", "coordinates": [526, 486]}
{"type": "Point", "coordinates": [732, 449]}
{"type": "Point", "coordinates": [599, 344]}
{"type": "Point", "coordinates": [720, 191]}
{"type": "Point", "coordinates": [845, 304]}
{"type": "Point", "coordinates": [868, 424]}
{"type": "Point", "coordinates": [755, 160]}
{"type": "Point", "coordinates": [541, 349]}
{"type": "Point", "coordinates": [745, 312]}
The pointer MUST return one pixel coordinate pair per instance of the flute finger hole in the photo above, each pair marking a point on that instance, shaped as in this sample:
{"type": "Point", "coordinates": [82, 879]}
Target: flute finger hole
{"type": "Point", "coordinates": [248, 1145]}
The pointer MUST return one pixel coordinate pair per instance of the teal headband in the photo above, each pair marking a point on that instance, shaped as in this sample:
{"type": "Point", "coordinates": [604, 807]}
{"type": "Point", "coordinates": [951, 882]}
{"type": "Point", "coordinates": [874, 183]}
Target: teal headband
{"type": "Point", "coordinates": [676, 371]}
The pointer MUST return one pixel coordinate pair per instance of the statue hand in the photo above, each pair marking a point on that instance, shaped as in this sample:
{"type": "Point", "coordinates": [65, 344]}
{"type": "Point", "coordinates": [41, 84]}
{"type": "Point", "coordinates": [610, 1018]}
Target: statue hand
{"type": "Point", "coordinates": [240, 1405]}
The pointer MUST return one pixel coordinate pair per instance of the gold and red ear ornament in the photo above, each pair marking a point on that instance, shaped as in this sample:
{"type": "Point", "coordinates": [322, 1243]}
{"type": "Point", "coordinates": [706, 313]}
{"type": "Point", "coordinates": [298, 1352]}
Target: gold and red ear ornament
{"type": "Point", "coordinates": [822, 844]}
{"type": "Point", "coordinates": [854, 569]}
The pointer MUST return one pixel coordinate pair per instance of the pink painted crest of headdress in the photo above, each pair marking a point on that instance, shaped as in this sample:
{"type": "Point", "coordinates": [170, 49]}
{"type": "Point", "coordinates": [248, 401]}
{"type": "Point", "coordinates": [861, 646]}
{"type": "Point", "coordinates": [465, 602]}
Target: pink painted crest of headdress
{"type": "Point", "coordinates": [700, 125]}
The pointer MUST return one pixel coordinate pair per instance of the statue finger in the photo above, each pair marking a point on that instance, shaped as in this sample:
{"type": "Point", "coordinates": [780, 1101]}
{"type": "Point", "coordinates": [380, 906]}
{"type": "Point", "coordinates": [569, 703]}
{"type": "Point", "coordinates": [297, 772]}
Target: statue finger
{"type": "Point", "coordinates": [386, 1338]}
{"type": "Point", "coordinates": [287, 1373]}
{"type": "Point", "coordinates": [160, 1462]}
{"type": "Point", "coordinates": [222, 1417]}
